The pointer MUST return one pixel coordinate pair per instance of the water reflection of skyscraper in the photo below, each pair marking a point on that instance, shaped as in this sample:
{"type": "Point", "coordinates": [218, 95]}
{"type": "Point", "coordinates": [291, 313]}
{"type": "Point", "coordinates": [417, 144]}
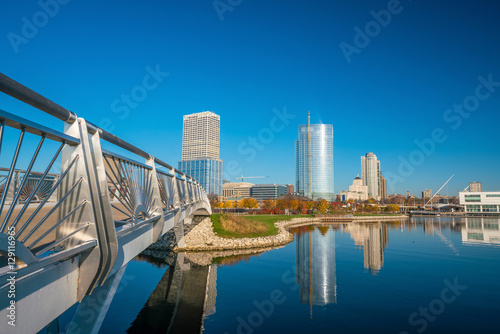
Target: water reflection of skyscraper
{"type": "Point", "coordinates": [315, 265]}
{"type": "Point", "coordinates": [182, 299]}
{"type": "Point", "coordinates": [374, 237]}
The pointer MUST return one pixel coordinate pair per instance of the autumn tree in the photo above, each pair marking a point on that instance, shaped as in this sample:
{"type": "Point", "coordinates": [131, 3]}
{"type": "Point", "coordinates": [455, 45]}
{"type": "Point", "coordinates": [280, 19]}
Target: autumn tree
{"type": "Point", "coordinates": [249, 203]}
{"type": "Point", "coordinates": [309, 205]}
{"type": "Point", "coordinates": [269, 204]}
{"type": "Point", "coordinates": [322, 206]}
{"type": "Point", "coordinates": [392, 208]}
{"type": "Point", "coordinates": [214, 200]}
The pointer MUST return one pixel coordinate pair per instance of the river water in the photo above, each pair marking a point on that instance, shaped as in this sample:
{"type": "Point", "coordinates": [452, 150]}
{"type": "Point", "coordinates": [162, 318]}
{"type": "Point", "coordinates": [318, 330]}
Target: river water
{"type": "Point", "coordinates": [432, 275]}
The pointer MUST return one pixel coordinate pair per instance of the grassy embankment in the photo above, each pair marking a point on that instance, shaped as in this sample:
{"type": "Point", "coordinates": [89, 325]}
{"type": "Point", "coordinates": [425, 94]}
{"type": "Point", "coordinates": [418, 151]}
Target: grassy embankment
{"type": "Point", "coordinates": [230, 226]}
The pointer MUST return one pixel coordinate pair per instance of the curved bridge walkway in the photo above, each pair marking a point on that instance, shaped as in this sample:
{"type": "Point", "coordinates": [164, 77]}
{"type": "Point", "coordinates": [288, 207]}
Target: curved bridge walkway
{"type": "Point", "coordinates": [73, 214]}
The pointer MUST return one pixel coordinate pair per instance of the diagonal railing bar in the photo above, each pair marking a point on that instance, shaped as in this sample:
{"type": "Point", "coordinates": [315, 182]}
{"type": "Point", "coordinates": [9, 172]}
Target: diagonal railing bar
{"type": "Point", "coordinates": [128, 215]}
{"type": "Point", "coordinates": [165, 193]}
{"type": "Point", "coordinates": [125, 180]}
{"type": "Point", "coordinates": [21, 186]}
{"type": "Point", "coordinates": [37, 240]}
{"type": "Point", "coordinates": [11, 174]}
{"type": "Point", "coordinates": [150, 200]}
{"type": "Point", "coordinates": [129, 184]}
{"type": "Point", "coordinates": [120, 200]}
{"type": "Point", "coordinates": [54, 208]}
{"type": "Point", "coordinates": [40, 206]}
{"type": "Point", "coordinates": [2, 127]}
{"type": "Point", "coordinates": [58, 242]}
{"type": "Point", "coordinates": [119, 180]}
{"type": "Point", "coordinates": [120, 190]}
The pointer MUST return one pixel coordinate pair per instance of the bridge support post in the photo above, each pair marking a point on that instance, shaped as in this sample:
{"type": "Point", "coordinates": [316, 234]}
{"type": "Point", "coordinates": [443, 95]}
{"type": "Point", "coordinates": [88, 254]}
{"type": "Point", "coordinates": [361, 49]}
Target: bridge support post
{"type": "Point", "coordinates": [157, 203]}
{"type": "Point", "coordinates": [179, 229]}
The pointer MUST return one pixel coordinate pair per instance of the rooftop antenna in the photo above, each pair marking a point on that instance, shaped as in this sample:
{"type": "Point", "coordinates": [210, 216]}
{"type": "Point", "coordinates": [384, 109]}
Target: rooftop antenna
{"type": "Point", "coordinates": [309, 148]}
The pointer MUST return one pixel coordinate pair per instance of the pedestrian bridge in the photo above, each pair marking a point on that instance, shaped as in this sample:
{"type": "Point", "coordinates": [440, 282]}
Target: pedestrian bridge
{"type": "Point", "coordinates": [76, 205]}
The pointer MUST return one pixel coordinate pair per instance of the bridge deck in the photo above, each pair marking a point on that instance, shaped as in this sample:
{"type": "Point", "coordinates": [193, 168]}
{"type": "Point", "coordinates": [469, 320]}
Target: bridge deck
{"type": "Point", "coordinates": [51, 221]}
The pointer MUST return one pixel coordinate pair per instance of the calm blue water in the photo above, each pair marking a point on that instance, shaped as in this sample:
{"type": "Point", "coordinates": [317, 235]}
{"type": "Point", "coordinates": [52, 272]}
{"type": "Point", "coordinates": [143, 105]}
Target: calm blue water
{"type": "Point", "coordinates": [425, 275]}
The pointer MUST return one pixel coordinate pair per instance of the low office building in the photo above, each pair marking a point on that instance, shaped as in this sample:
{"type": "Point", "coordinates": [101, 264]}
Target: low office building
{"type": "Point", "coordinates": [237, 190]}
{"type": "Point", "coordinates": [268, 191]}
{"type": "Point", "coordinates": [484, 202]}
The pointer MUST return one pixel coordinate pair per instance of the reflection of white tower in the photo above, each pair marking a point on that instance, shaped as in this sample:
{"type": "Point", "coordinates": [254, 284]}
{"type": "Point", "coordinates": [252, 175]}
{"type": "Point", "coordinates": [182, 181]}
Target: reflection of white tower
{"type": "Point", "coordinates": [315, 265]}
{"type": "Point", "coordinates": [374, 238]}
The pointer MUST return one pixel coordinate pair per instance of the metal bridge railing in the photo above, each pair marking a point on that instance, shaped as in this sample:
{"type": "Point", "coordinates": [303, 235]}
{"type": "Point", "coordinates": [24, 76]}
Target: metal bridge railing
{"type": "Point", "coordinates": [96, 197]}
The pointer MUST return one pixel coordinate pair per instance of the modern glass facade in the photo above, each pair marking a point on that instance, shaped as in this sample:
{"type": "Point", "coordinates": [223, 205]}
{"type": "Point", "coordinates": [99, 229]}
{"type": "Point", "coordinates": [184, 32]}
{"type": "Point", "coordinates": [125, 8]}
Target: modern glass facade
{"type": "Point", "coordinates": [267, 191]}
{"type": "Point", "coordinates": [322, 185]}
{"type": "Point", "coordinates": [208, 172]}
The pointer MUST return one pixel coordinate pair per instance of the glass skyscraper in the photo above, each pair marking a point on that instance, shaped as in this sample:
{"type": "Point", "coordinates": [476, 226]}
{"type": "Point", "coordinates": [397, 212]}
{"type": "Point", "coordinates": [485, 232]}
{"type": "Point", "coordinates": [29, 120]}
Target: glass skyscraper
{"type": "Point", "coordinates": [200, 150]}
{"type": "Point", "coordinates": [208, 172]}
{"type": "Point", "coordinates": [321, 162]}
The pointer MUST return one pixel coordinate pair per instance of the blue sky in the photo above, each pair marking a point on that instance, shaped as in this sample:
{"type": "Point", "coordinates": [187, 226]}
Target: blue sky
{"type": "Point", "coordinates": [269, 56]}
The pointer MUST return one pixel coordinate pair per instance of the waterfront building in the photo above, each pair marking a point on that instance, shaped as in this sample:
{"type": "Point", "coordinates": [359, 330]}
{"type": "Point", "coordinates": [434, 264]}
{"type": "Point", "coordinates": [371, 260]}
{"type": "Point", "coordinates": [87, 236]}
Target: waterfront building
{"type": "Point", "coordinates": [267, 191]}
{"type": "Point", "coordinates": [483, 202]}
{"type": "Point", "coordinates": [479, 230]}
{"type": "Point", "coordinates": [237, 190]}
{"type": "Point", "coordinates": [426, 194]}
{"type": "Point", "coordinates": [371, 174]}
{"type": "Point", "coordinates": [357, 191]}
{"type": "Point", "coordinates": [315, 266]}
{"type": "Point", "coordinates": [200, 150]}
{"type": "Point", "coordinates": [383, 187]}
{"type": "Point", "coordinates": [475, 187]}
{"type": "Point", "coordinates": [320, 163]}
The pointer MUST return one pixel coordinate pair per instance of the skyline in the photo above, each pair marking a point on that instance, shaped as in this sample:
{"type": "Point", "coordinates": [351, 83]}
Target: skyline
{"type": "Point", "coordinates": [263, 58]}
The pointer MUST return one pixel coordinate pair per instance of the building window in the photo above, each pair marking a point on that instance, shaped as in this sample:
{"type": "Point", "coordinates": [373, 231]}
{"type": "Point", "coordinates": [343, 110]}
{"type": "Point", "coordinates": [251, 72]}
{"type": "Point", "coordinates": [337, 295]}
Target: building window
{"type": "Point", "coordinates": [473, 198]}
{"type": "Point", "coordinates": [475, 236]}
{"type": "Point", "coordinates": [491, 226]}
{"type": "Point", "coordinates": [490, 208]}
{"type": "Point", "coordinates": [492, 195]}
{"type": "Point", "coordinates": [473, 208]}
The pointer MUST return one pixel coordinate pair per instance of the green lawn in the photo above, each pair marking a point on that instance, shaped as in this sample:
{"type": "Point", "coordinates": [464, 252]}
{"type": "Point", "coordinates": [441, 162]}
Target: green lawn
{"type": "Point", "coordinates": [269, 220]}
